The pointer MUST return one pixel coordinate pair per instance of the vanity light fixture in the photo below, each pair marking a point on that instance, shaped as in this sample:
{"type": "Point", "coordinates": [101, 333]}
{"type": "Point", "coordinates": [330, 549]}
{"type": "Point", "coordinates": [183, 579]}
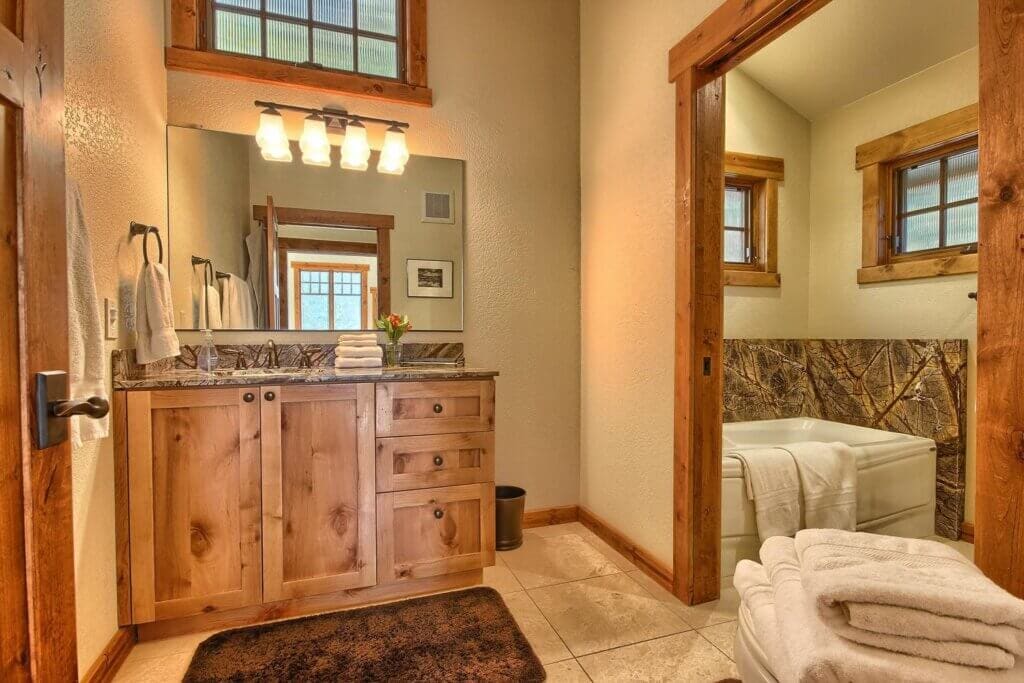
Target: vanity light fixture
{"type": "Point", "coordinates": [316, 146]}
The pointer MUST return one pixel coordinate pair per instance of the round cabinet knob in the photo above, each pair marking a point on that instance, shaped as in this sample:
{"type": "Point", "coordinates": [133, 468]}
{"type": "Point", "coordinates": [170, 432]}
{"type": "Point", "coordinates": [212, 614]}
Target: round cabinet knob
{"type": "Point", "coordinates": [438, 513]}
{"type": "Point", "coordinates": [438, 460]}
{"type": "Point", "coordinates": [249, 397]}
{"type": "Point", "coordinates": [270, 395]}
{"type": "Point", "coordinates": [438, 408]}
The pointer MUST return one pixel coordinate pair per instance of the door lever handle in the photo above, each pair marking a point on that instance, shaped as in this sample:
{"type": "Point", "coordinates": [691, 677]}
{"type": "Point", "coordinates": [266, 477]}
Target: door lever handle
{"type": "Point", "coordinates": [94, 407]}
{"type": "Point", "coordinates": [53, 407]}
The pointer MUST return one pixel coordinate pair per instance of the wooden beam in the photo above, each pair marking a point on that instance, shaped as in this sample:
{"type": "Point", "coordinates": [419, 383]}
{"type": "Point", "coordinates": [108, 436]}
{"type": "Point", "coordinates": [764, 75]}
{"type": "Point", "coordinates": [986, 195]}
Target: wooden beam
{"type": "Point", "coordinates": [755, 166]}
{"type": "Point", "coordinates": [416, 42]}
{"type": "Point", "coordinates": [700, 178]}
{"type": "Point", "coordinates": [920, 137]}
{"type": "Point", "coordinates": [323, 218]}
{"type": "Point", "coordinates": [185, 23]}
{"type": "Point", "coordinates": [999, 513]}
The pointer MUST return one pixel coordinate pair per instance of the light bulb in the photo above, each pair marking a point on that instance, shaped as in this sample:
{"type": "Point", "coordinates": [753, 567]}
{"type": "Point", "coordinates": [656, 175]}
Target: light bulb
{"type": "Point", "coordinates": [271, 137]}
{"type": "Point", "coordinates": [394, 154]}
{"type": "Point", "coordinates": [355, 150]}
{"type": "Point", "coordinates": [316, 150]}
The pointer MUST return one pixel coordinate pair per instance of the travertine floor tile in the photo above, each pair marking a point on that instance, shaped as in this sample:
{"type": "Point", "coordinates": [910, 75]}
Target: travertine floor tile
{"type": "Point", "coordinates": [501, 579]}
{"type": "Point", "coordinates": [604, 612]}
{"type": "Point", "coordinates": [697, 616]}
{"type": "Point", "coordinates": [568, 671]}
{"type": "Point", "coordinates": [176, 645]}
{"type": "Point", "coordinates": [722, 636]}
{"type": "Point", "coordinates": [154, 669]}
{"type": "Point", "coordinates": [680, 657]}
{"type": "Point", "coordinates": [543, 639]}
{"type": "Point", "coordinates": [611, 553]}
{"type": "Point", "coordinates": [545, 561]}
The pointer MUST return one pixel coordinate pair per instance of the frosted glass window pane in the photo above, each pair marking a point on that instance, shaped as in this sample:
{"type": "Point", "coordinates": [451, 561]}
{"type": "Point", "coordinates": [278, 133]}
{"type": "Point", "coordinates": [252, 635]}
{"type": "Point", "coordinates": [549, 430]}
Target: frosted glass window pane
{"type": "Point", "coordinates": [237, 33]}
{"type": "Point", "coordinates": [378, 57]}
{"type": "Point", "coordinates": [379, 16]}
{"type": "Point", "coordinates": [290, 8]}
{"type": "Point", "coordinates": [962, 224]}
{"type": "Point", "coordinates": [736, 207]}
{"type": "Point", "coordinates": [735, 247]}
{"type": "Point", "coordinates": [920, 186]}
{"type": "Point", "coordinates": [315, 312]}
{"type": "Point", "coordinates": [245, 4]}
{"type": "Point", "coordinates": [347, 312]}
{"type": "Point", "coordinates": [921, 231]}
{"type": "Point", "coordinates": [287, 42]}
{"type": "Point", "coordinates": [336, 12]}
{"type": "Point", "coordinates": [962, 176]}
{"type": "Point", "coordinates": [332, 49]}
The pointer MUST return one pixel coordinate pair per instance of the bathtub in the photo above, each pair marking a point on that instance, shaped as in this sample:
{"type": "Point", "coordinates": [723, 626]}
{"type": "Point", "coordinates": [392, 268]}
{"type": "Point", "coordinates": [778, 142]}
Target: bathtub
{"type": "Point", "coordinates": [895, 479]}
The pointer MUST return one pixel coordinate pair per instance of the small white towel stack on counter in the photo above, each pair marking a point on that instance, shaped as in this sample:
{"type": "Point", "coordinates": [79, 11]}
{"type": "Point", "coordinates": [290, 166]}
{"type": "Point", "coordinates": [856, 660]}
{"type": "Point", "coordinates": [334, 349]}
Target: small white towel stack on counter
{"type": "Point", "coordinates": [835, 605]}
{"type": "Point", "coordinates": [358, 351]}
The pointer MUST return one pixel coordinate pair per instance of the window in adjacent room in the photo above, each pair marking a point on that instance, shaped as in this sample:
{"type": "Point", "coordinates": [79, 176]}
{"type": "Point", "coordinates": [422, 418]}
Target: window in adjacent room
{"type": "Point", "coordinates": [936, 203]}
{"type": "Point", "coordinates": [738, 245]}
{"type": "Point", "coordinates": [751, 207]}
{"type": "Point", "coordinates": [330, 296]}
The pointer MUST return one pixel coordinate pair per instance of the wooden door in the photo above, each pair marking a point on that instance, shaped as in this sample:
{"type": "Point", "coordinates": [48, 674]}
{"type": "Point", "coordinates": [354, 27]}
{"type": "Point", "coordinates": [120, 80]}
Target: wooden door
{"type": "Point", "coordinates": [434, 531]}
{"type": "Point", "coordinates": [318, 490]}
{"type": "Point", "coordinates": [194, 501]}
{"type": "Point", "coordinates": [37, 585]}
{"type": "Point", "coordinates": [271, 277]}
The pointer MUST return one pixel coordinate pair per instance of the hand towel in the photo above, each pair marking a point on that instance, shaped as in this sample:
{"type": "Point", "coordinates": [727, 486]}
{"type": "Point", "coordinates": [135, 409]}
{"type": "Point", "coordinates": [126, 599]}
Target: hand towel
{"type": "Point", "coordinates": [358, 363]}
{"type": "Point", "coordinates": [359, 351]}
{"type": "Point", "coordinates": [237, 306]}
{"type": "Point", "coordinates": [910, 595]}
{"type": "Point", "coordinates": [771, 479]}
{"type": "Point", "coordinates": [209, 304]}
{"type": "Point", "coordinates": [88, 360]}
{"type": "Point", "coordinates": [367, 339]}
{"type": "Point", "coordinates": [757, 597]}
{"type": "Point", "coordinates": [828, 479]}
{"type": "Point", "coordinates": [154, 316]}
{"type": "Point", "coordinates": [816, 653]}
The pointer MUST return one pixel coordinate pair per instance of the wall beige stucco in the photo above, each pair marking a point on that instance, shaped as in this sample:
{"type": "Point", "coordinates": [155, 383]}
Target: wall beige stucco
{"type": "Point", "coordinates": [114, 124]}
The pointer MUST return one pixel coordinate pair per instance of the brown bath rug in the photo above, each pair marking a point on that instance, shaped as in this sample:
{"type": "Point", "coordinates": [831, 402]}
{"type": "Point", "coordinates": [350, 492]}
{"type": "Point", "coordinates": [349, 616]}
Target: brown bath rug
{"type": "Point", "coordinates": [463, 636]}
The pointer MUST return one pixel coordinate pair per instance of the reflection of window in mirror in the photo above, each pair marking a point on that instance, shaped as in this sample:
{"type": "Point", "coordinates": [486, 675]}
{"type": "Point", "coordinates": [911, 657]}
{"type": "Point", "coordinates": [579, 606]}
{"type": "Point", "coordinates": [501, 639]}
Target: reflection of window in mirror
{"type": "Point", "coordinates": [331, 296]}
{"type": "Point", "coordinates": [751, 207]}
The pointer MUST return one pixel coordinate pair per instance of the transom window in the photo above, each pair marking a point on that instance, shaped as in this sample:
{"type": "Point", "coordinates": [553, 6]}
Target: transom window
{"type": "Point", "coordinates": [738, 245]}
{"type": "Point", "coordinates": [937, 202]}
{"type": "Point", "coordinates": [331, 296]}
{"type": "Point", "coordinates": [356, 36]}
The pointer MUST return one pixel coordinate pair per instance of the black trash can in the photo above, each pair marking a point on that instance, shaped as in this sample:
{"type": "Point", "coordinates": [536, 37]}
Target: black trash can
{"type": "Point", "coordinates": [509, 502]}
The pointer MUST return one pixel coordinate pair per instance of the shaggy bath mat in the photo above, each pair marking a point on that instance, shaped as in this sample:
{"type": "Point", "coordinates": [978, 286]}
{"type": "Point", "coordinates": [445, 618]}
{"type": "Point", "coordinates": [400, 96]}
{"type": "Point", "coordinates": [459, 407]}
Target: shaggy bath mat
{"type": "Point", "coordinates": [463, 636]}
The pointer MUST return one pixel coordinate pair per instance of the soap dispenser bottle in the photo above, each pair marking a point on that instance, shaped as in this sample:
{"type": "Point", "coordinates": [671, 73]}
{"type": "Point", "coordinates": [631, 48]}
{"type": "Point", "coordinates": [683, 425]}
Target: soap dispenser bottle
{"type": "Point", "coordinates": [207, 358]}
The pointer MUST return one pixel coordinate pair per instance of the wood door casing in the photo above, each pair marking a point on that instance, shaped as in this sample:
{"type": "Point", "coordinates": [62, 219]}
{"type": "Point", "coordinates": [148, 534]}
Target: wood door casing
{"type": "Point", "coordinates": [434, 531]}
{"type": "Point", "coordinates": [419, 462]}
{"type": "Point", "coordinates": [318, 490]}
{"type": "Point", "coordinates": [445, 407]}
{"type": "Point", "coordinates": [273, 294]}
{"type": "Point", "coordinates": [194, 508]}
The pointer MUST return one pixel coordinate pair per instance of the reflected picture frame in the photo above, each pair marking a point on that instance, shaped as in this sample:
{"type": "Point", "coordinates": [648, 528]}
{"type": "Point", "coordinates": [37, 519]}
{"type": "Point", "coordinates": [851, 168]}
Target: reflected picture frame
{"type": "Point", "coordinates": [429, 279]}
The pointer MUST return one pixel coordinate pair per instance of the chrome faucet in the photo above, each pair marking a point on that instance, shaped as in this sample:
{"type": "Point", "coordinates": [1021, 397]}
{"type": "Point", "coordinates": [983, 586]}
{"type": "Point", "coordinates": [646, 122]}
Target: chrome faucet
{"type": "Point", "coordinates": [273, 361]}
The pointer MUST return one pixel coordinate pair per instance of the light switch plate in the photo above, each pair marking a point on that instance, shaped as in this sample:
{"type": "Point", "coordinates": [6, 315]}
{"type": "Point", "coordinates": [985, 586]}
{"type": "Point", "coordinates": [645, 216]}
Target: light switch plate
{"type": "Point", "coordinates": [111, 318]}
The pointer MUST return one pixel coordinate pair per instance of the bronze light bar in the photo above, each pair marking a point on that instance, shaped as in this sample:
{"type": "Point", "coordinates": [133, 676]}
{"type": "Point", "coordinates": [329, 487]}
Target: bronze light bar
{"type": "Point", "coordinates": [340, 115]}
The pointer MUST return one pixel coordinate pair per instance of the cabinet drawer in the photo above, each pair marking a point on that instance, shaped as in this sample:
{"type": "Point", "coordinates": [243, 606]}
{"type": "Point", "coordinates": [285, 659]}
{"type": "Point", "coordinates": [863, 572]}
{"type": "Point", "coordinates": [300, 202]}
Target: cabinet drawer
{"type": "Point", "coordinates": [414, 408]}
{"type": "Point", "coordinates": [420, 462]}
{"type": "Point", "coordinates": [434, 531]}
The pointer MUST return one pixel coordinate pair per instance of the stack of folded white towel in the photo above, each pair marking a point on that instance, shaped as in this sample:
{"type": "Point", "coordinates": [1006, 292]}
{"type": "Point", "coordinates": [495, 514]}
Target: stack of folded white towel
{"type": "Point", "coordinates": [358, 351]}
{"type": "Point", "coordinates": [834, 605]}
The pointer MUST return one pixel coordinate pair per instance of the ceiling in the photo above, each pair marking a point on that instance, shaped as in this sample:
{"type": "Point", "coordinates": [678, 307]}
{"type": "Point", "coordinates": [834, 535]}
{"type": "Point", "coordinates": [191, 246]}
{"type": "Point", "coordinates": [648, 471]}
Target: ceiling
{"type": "Point", "coordinates": [851, 48]}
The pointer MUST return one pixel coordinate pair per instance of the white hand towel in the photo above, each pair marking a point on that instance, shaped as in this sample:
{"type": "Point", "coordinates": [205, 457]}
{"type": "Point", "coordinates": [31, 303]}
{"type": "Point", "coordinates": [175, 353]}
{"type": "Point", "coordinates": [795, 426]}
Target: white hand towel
{"type": "Point", "coordinates": [255, 246]}
{"type": "Point", "coordinates": [828, 478]}
{"type": "Point", "coordinates": [910, 595]}
{"type": "Point", "coordinates": [358, 351]}
{"type": "Point", "coordinates": [368, 339]}
{"type": "Point", "coordinates": [154, 316]}
{"type": "Point", "coordinates": [816, 653]}
{"type": "Point", "coordinates": [88, 360]}
{"type": "Point", "coordinates": [237, 307]}
{"type": "Point", "coordinates": [209, 303]}
{"type": "Point", "coordinates": [358, 363]}
{"type": "Point", "coordinates": [771, 479]}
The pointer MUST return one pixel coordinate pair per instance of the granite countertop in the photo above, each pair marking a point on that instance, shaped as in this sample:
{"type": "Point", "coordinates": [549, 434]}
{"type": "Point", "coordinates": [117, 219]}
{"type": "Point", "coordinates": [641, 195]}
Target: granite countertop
{"type": "Point", "coordinates": [183, 379]}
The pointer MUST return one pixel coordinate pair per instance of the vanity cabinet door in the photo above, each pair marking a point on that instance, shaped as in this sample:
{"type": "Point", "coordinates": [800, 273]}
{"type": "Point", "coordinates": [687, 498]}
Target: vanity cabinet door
{"type": "Point", "coordinates": [194, 501]}
{"type": "Point", "coordinates": [414, 408]}
{"type": "Point", "coordinates": [434, 531]}
{"type": "Point", "coordinates": [318, 490]}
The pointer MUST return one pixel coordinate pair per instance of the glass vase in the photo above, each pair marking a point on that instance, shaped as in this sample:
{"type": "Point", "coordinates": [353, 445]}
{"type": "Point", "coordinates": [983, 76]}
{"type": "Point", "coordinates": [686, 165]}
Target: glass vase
{"type": "Point", "coordinates": [393, 354]}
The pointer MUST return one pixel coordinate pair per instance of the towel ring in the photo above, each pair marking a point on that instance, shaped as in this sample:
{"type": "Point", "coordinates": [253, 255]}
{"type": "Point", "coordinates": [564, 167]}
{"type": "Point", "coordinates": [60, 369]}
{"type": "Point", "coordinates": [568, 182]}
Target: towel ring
{"type": "Point", "coordinates": [145, 230]}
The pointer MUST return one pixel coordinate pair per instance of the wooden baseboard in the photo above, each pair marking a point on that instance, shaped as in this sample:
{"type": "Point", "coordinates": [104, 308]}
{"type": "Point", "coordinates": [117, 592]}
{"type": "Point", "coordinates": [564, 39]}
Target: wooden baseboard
{"type": "Point", "coordinates": [644, 561]}
{"type": "Point", "coordinates": [112, 657]}
{"type": "Point", "coordinates": [967, 532]}
{"type": "Point", "coordinates": [550, 516]}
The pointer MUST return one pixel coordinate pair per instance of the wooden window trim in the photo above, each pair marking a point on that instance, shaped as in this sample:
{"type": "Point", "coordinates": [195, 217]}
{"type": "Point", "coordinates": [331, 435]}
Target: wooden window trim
{"type": "Point", "coordinates": [361, 268]}
{"type": "Point", "coordinates": [762, 174]}
{"type": "Point", "coordinates": [188, 52]}
{"type": "Point", "coordinates": [878, 161]}
{"type": "Point", "coordinates": [287, 245]}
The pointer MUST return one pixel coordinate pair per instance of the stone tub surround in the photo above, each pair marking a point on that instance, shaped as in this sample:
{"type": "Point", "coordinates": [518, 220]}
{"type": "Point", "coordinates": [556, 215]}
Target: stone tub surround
{"type": "Point", "coordinates": [910, 386]}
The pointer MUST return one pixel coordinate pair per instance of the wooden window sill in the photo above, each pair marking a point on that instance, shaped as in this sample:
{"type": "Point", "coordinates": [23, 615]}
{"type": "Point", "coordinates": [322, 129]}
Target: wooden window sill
{"type": "Point", "coordinates": [750, 278]}
{"type": "Point", "coordinates": [911, 270]}
{"type": "Point", "coordinates": [263, 71]}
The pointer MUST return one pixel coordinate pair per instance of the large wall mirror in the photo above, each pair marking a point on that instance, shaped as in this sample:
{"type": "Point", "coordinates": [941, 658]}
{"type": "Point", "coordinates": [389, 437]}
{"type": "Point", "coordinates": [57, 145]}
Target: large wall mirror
{"type": "Point", "coordinates": [266, 245]}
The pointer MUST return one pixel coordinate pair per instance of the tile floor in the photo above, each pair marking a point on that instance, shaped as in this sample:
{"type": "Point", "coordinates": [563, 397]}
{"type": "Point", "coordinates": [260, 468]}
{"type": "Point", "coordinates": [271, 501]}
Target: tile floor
{"type": "Point", "coordinates": [589, 614]}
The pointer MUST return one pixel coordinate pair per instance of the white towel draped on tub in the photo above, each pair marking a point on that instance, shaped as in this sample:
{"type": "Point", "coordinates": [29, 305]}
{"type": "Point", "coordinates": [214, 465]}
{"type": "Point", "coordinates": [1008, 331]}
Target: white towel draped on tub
{"type": "Point", "coordinates": [88, 360]}
{"type": "Point", "coordinates": [828, 479]}
{"type": "Point", "coordinates": [772, 483]}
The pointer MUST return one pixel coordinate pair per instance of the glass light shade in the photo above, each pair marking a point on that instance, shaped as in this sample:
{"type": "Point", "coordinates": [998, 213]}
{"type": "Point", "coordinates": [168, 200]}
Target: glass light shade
{"type": "Point", "coordinates": [394, 154]}
{"type": "Point", "coordinates": [316, 150]}
{"type": "Point", "coordinates": [355, 150]}
{"type": "Point", "coordinates": [277, 153]}
{"type": "Point", "coordinates": [271, 131]}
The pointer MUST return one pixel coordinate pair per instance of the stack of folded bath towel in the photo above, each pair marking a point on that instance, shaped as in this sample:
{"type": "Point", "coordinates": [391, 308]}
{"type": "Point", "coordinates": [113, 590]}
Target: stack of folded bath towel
{"type": "Point", "coordinates": [358, 351]}
{"type": "Point", "coordinates": [834, 605]}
